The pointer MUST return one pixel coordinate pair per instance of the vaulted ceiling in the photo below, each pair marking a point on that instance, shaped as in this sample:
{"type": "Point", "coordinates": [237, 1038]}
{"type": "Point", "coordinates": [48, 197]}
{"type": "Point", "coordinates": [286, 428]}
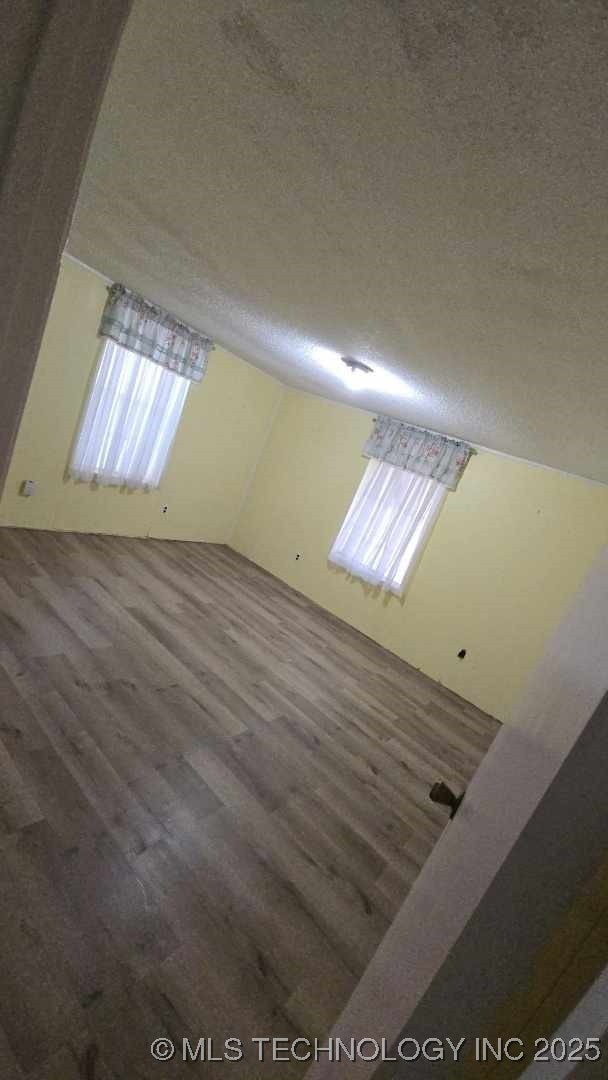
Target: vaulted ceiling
{"type": "Point", "coordinates": [419, 185]}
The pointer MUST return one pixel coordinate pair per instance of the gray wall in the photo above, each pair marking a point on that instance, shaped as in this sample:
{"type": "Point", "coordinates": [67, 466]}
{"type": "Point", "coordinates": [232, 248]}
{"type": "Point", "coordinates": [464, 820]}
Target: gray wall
{"type": "Point", "coordinates": [556, 854]}
{"type": "Point", "coordinates": [21, 26]}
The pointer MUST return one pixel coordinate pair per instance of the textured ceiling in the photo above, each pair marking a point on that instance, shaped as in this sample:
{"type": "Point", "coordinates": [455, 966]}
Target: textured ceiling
{"type": "Point", "coordinates": [421, 185]}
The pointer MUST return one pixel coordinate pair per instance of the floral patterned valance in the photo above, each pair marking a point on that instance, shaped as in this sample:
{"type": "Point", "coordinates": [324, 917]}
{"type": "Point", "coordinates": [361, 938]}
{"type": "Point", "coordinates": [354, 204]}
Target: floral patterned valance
{"type": "Point", "coordinates": [150, 331]}
{"type": "Point", "coordinates": [418, 450]}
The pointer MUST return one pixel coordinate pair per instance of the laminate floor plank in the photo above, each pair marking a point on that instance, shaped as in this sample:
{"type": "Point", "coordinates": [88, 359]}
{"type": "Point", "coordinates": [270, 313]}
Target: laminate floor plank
{"type": "Point", "coordinates": [213, 801]}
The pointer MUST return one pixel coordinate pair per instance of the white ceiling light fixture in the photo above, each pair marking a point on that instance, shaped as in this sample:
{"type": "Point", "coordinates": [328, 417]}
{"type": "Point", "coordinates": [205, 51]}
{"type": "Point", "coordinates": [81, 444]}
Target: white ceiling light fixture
{"type": "Point", "coordinates": [359, 375]}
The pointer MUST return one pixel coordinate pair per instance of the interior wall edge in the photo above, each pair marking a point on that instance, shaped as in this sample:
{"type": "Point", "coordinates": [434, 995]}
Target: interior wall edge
{"type": "Point", "coordinates": [63, 83]}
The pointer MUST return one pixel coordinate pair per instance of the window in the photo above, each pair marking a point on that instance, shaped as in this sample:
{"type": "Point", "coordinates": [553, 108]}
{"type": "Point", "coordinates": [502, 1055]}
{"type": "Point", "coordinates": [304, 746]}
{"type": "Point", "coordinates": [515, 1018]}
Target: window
{"type": "Point", "coordinates": [130, 420]}
{"type": "Point", "coordinates": [387, 525]}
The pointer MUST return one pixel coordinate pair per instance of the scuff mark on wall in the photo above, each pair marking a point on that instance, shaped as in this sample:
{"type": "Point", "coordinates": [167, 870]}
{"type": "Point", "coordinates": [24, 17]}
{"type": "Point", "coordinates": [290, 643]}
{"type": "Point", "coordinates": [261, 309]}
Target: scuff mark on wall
{"type": "Point", "coordinates": [434, 29]}
{"type": "Point", "coordinates": [261, 55]}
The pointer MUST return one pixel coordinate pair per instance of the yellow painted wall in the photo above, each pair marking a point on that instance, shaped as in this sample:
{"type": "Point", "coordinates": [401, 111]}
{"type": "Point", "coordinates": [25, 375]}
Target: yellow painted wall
{"type": "Point", "coordinates": [509, 549]}
{"type": "Point", "coordinates": [225, 422]}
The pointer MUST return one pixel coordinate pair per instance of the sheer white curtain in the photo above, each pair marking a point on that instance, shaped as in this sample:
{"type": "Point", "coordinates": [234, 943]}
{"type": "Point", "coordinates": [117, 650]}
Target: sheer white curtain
{"type": "Point", "coordinates": [130, 420]}
{"type": "Point", "coordinates": [387, 524]}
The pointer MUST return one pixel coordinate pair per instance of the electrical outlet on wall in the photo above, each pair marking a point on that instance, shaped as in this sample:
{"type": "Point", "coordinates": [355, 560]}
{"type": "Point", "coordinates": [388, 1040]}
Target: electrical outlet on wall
{"type": "Point", "coordinates": [28, 487]}
{"type": "Point", "coordinates": [164, 508]}
{"type": "Point", "coordinates": [298, 555]}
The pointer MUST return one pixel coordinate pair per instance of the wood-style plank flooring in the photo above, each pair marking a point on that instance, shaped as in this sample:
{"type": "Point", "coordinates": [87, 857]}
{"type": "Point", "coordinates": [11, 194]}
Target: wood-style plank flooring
{"type": "Point", "coordinates": [213, 799]}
